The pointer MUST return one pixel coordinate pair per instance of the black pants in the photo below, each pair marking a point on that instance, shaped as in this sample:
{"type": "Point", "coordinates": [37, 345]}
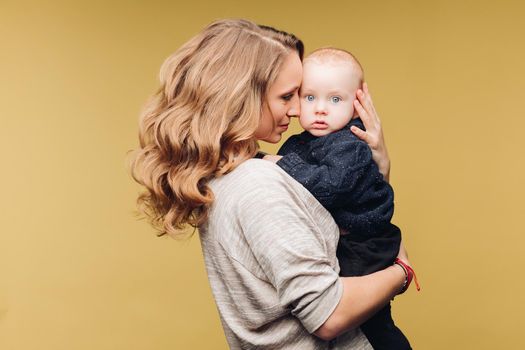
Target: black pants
{"type": "Point", "coordinates": [358, 257]}
{"type": "Point", "coordinates": [383, 334]}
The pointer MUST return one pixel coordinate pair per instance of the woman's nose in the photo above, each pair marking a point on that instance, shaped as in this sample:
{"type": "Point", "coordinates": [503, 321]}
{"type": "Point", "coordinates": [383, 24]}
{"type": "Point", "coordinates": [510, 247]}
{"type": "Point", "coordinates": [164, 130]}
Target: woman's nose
{"type": "Point", "coordinates": [295, 107]}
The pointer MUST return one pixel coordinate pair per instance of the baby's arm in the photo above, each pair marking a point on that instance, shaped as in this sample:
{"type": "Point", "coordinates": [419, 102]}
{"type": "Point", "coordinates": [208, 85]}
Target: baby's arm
{"type": "Point", "coordinates": [342, 166]}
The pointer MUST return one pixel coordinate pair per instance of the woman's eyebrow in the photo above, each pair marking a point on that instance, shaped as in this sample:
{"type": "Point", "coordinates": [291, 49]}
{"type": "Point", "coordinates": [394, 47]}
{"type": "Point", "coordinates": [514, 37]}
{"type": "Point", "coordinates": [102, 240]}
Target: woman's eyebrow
{"type": "Point", "coordinates": [291, 91]}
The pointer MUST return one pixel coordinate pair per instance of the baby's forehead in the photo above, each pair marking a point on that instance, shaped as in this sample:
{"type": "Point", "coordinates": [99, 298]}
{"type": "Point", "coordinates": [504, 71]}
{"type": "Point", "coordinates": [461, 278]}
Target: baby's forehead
{"type": "Point", "coordinates": [344, 69]}
{"type": "Point", "coordinates": [332, 62]}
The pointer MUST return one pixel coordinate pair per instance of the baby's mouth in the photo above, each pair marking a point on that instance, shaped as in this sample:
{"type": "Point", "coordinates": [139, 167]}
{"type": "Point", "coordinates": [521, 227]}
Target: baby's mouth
{"type": "Point", "coordinates": [319, 124]}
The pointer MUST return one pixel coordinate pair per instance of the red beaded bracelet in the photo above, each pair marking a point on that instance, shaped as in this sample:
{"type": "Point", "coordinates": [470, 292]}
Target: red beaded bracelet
{"type": "Point", "coordinates": [409, 275]}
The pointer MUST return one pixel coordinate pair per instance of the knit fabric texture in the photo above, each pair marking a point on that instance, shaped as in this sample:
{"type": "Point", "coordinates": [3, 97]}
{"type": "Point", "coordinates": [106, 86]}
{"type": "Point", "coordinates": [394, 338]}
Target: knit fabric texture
{"type": "Point", "coordinates": [338, 169]}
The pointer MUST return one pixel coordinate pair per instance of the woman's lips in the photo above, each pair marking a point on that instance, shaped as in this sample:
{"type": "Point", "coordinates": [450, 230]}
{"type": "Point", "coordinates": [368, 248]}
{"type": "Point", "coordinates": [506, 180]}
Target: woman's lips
{"type": "Point", "coordinates": [284, 126]}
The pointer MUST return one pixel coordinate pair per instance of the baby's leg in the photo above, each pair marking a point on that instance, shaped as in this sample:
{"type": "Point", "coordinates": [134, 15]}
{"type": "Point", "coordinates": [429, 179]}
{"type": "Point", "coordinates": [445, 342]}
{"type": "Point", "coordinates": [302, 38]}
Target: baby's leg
{"type": "Point", "coordinates": [383, 334]}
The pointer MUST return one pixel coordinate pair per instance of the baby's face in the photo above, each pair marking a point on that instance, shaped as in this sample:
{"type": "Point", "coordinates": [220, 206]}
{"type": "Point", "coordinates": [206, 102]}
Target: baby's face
{"type": "Point", "coordinates": [327, 96]}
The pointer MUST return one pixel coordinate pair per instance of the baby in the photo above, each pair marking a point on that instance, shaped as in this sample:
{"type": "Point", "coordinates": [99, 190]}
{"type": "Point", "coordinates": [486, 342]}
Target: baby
{"type": "Point", "coordinates": [338, 169]}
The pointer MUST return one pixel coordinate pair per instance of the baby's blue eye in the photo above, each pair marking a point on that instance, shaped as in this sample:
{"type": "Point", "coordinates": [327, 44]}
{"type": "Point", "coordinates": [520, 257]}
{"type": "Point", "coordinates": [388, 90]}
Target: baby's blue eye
{"type": "Point", "coordinates": [335, 99]}
{"type": "Point", "coordinates": [309, 98]}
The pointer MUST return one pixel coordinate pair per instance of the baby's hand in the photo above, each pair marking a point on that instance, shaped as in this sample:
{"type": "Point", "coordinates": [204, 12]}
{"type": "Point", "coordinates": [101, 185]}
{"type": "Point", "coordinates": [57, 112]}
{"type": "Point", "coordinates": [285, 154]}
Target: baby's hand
{"type": "Point", "coordinates": [272, 158]}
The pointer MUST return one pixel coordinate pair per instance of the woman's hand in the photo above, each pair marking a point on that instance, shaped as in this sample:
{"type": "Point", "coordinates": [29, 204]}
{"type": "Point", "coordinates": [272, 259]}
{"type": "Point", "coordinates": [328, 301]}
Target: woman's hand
{"type": "Point", "coordinates": [403, 255]}
{"type": "Point", "coordinates": [411, 275]}
{"type": "Point", "coordinates": [373, 135]}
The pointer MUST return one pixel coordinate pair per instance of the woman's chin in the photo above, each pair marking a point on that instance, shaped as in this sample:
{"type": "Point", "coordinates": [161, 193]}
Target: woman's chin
{"type": "Point", "coordinates": [274, 138]}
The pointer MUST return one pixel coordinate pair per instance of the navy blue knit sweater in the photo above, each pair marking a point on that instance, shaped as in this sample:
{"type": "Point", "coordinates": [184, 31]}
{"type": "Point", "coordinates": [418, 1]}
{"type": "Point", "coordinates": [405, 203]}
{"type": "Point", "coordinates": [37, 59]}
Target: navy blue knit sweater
{"type": "Point", "coordinates": [339, 171]}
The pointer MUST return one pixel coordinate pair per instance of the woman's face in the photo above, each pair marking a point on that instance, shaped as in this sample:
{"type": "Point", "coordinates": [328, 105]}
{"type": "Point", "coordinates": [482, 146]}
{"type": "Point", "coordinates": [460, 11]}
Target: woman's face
{"type": "Point", "coordinates": [282, 101]}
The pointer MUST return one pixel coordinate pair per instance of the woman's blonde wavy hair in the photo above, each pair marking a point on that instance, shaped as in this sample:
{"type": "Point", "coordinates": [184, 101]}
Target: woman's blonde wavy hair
{"type": "Point", "coordinates": [201, 122]}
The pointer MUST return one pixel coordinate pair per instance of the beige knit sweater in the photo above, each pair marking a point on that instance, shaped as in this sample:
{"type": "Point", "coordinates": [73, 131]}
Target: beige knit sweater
{"type": "Point", "coordinates": [269, 249]}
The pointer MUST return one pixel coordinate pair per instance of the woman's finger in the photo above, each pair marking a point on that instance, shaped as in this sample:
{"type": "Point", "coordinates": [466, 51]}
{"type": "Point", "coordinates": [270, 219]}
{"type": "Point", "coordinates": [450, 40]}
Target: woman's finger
{"type": "Point", "coordinates": [369, 96]}
{"type": "Point", "coordinates": [363, 114]}
{"type": "Point", "coordinates": [359, 133]}
{"type": "Point", "coordinates": [366, 102]}
{"type": "Point", "coordinates": [366, 91]}
{"type": "Point", "coordinates": [366, 118]}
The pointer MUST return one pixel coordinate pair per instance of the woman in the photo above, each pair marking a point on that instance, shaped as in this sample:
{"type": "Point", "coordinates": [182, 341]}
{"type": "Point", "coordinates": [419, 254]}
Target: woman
{"type": "Point", "coordinates": [269, 246]}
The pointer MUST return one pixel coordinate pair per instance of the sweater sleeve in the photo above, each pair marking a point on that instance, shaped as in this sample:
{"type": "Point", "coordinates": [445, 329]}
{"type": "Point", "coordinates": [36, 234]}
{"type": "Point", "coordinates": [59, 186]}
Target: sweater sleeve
{"type": "Point", "coordinates": [286, 243]}
{"type": "Point", "coordinates": [334, 170]}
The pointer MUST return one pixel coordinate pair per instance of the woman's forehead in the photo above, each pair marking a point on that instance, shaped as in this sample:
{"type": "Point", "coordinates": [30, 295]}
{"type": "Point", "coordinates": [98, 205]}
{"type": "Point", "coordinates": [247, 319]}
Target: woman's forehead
{"type": "Point", "coordinates": [291, 73]}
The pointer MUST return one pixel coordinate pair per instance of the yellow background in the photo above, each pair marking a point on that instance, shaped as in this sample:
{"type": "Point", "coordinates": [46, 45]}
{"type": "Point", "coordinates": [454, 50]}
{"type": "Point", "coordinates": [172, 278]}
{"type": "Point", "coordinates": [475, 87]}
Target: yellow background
{"type": "Point", "coordinates": [78, 271]}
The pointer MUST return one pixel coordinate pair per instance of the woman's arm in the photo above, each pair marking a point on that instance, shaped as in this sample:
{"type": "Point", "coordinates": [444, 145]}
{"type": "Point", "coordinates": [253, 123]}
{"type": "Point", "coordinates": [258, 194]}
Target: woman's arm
{"type": "Point", "coordinates": [284, 228]}
{"type": "Point", "coordinates": [373, 135]}
{"type": "Point", "coordinates": [362, 297]}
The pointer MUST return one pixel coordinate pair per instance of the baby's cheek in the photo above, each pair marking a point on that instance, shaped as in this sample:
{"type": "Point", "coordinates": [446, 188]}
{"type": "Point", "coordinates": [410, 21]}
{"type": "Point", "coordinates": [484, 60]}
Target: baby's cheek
{"type": "Point", "coordinates": [352, 110]}
{"type": "Point", "coordinates": [306, 110]}
{"type": "Point", "coordinates": [303, 119]}
{"type": "Point", "coordinates": [304, 105]}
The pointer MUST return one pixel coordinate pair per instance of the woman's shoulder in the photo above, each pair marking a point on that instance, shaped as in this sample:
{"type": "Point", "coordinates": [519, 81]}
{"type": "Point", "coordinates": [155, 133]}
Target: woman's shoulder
{"type": "Point", "coordinates": [257, 167]}
{"type": "Point", "coordinates": [254, 183]}
{"type": "Point", "coordinates": [253, 174]}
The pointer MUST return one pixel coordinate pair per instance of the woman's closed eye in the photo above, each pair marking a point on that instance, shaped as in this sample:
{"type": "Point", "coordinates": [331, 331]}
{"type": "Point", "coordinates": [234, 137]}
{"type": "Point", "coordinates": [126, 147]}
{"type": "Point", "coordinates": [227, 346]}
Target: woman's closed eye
{"type": "Point", "coordinates": [290, 95]}
{"type": "Point", "coordinates": [287, 97]}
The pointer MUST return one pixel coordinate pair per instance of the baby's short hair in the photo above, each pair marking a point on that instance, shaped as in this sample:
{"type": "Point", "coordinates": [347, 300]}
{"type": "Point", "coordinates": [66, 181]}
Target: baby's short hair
{"type": "Point", "coordinates": [335, 55]}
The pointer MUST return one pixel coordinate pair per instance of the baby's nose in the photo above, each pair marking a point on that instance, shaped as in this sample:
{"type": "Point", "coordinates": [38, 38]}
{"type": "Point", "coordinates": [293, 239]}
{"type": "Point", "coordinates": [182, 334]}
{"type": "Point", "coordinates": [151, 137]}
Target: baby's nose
{"type": "Point", "coordinates": [320, 108]}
